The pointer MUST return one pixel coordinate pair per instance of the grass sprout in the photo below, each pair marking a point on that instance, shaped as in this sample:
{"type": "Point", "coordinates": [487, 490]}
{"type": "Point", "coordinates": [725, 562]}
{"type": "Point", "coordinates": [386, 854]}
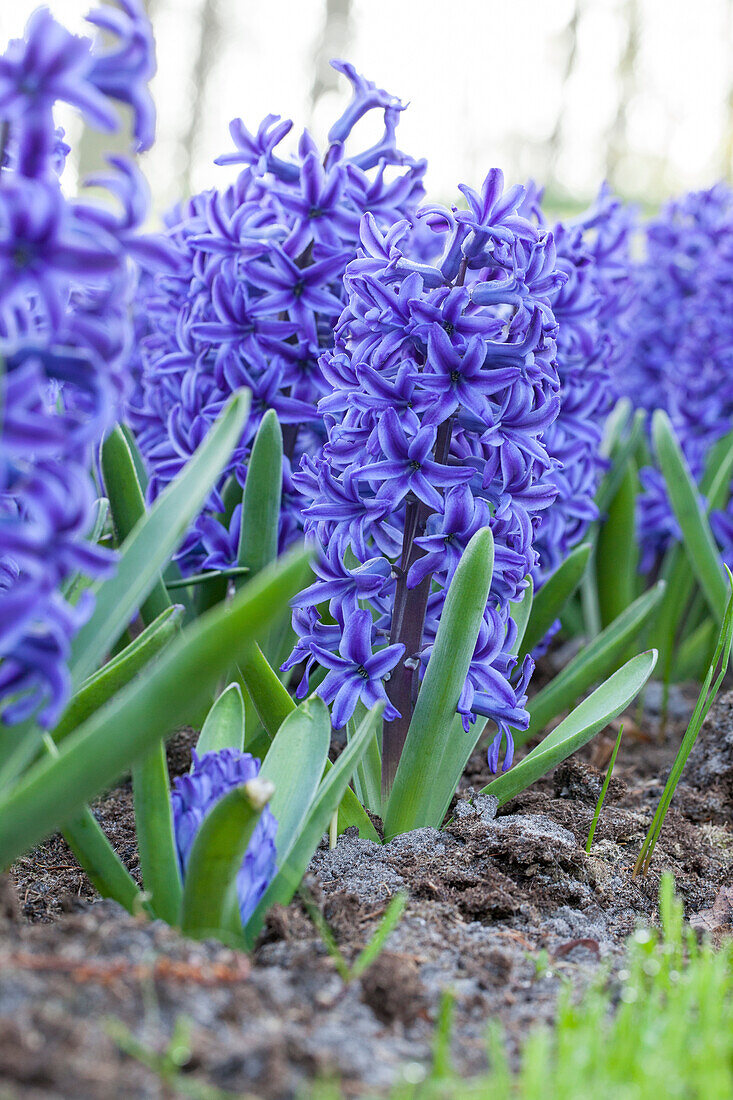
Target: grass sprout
{"type": "Point", "coordinates": [604, 788]}
{"type": "Point", "coordinates": [369, 954]}
{"type": "Point", "coordinates": [717, 669]}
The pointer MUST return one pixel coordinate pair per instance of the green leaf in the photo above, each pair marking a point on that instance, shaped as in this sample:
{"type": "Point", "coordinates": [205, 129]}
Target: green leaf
{"type": "Point", "coordinates": [294, 765]}
{"type": "Point", "coordinates": [128, 509]}
{"type": "Point", "coordinates": [592, 664]}
{"type": "Point", "coordinates": [595, 712]}
{"type": "Point", "coordinates": [157, 701]}
{"type": "Point", "coordinates": [270, 698]}
{"type": "Point", "coordinates": [617, 551]}
{"type": "Point", "coordinates": [216, 856]}
{"type": "Point", "coordinates": [224, 725]}
{"type": "Point", "coordinates": [622, 452]}
{"type": "Point", "coordinates": [675, 570]}
{"type": "Point", "coordinates": [154, 539]}
{"type": "Point", "coordinates": [699, 542]}
{"type": "Point", "coordinates": [150, 781]}
{"type": "Point", "coordinates": [273, 705]}
{"type": "Point", "coordinates": [692, 656]}
{"type": "Point", "coordinates": [99, 688]}
{"type": "Point", "coordinates": [327, 800]}
{"type": "Point", "coordinates": [100, 862]}
{"type": "Point", "coordinates": [521, 612]}
{"type": "Point", "coordinates": [426, 773]}
{"type": "Point", "coordinates": [262, 497]}
{"type": "Point", "coordinates": [140, 467]}
{"type": "Point", "coordinates": [705, 700]}
{"type": "Point", "coordinates": [156, 841]}
{"type": "Point", "coordinates": [551, 598]}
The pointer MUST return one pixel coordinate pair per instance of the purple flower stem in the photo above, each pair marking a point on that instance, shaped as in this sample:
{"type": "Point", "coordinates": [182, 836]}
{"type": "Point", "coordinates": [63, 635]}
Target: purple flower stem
{"type": "Point", "coordinates": [408, 620]}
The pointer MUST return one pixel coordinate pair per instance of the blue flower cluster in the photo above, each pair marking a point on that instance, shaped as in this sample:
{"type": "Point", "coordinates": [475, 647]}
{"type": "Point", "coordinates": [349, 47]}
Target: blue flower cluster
{"type": "Point", "coordinates": [256, 298]}
{"type": "Point", "coordinates": [443, 382]}
{"type": "Point", "coordinates": [213, 775]}
{"type": "Point", "coordinates": [679, 354]}
{"type": "Point", "coordinates": [66, 279]}
{"type": "Point", "coordinates": [591, 309]}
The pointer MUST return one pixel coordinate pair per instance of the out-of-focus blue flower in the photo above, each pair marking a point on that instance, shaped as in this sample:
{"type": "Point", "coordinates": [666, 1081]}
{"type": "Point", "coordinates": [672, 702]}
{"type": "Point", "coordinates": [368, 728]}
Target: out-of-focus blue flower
{"type": "Point", "coordinates": [256, 298]}
{"type": "Point", "coordinates": [67, 275]}
{"type": "Point", "coordinates": [591, 308]}
{"type": "Point", "coordinates": [679, 351]}
{"type": "Point", "coordinates": [212, 776]}
{"type": "Point", "coordinates": [443, 384]}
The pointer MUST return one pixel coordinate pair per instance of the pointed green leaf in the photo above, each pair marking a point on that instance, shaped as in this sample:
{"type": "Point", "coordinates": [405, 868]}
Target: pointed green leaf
{"type": "Point", "coordinates": [617, 552]}
{"type": "Point", "coordinates": [593, 663]}
{"type": "Point", "coordinates": [521, 612]}
{"type": "Point", "coordinates": [216, 856]}
{"type": "Point", "coordinates": [224, 725]}
{"type": "Point", "coordinates": [154, 539]}
{"type": "Point", "coordinates": [595, 712]}
{"type": "Point", "coordinates": [294, 764]}
{"type": "Point", "coordinates": [262, 495]}
{"type": "Point", "coordinates": [157, 701]}
{"type": "Point", "coordinates": [128, 509]}
{"type": "Point", "coordinates": [328, 798]}
{"type": "Point", "coordinates": [423, 778]}
{"type": "Point", "coordinates": [551, 598]}
{"type": "Point", "coordinates": [700, 545]}
{"type": "Point", "coordinates": [273, 705]}
{"type": "Point", "coordinates": [99, 688]}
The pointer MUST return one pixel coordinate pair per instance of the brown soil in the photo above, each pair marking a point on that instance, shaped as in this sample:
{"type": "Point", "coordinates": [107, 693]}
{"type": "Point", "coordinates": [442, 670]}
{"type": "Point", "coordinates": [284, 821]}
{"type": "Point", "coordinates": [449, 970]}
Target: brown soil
{"type": "Point", "coordinates": [502, 910]}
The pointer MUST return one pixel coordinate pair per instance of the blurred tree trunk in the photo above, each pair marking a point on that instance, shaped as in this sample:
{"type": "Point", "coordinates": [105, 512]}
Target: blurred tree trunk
{"type": "Point", "coordinates": [210, 31]}
{"type": "Point", "coordinates": [727, 155]}
{"type": "Point", "coordinates": [554, 141]}
{"type": "Point", "coordinates": [617, 146]}
{"type": "Point", "coordinates": [94, 145]}
{"type": "Point", "coordinates": [333, 42]}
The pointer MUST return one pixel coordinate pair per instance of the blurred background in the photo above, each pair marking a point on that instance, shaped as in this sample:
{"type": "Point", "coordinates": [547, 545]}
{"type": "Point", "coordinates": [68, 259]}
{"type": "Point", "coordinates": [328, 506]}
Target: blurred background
{"type": "Point", "coordinates": [565, 91]}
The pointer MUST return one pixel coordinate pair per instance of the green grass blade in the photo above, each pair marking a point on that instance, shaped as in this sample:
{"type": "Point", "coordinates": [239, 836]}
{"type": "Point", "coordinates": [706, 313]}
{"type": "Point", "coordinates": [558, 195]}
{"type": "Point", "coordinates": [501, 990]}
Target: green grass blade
{"type": "Point", "coordinates": [224, 725]}
{"type": "Point", "coordinates": [112, 677]}
{"type": "Point", "coordinates": [430, 756]}
{"type": "Point", "coordinates": [593, 663]}
{"type": "Point", "coordinates": [552, 597]}
{"type": "Point", "coordinates": [590, 716]}
{"type": "Point", "coordinates": [154, 539]}
{"type": "Point", "coordinates": [216, 856]}
{"type": "Point", "coordinates": [617, 553]}
{"type": "Point", "coordinates": [294, 765]}
{"type": "Point", "coordinates": [328, 799]}
{"type": "Point", "coordinates": [699, 542]}
{"type": "Point", "coordinates": [604, 788]}
{"type": "Point", "coordinates": [705, 700]}
{"type": "Point", "coordinates": [372, 951]}
{"type": "Point", "coordinates": [159, 700]}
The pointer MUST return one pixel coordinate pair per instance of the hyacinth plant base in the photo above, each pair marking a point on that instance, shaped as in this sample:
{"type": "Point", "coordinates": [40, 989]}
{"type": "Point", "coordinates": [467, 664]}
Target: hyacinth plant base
{"type": "Point", "coordinates": [502, 910]}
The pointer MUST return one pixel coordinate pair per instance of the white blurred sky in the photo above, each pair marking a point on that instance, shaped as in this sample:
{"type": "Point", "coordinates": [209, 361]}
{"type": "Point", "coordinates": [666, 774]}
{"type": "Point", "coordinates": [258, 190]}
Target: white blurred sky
{"type": "Point", "coordinates": [484, 79]}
